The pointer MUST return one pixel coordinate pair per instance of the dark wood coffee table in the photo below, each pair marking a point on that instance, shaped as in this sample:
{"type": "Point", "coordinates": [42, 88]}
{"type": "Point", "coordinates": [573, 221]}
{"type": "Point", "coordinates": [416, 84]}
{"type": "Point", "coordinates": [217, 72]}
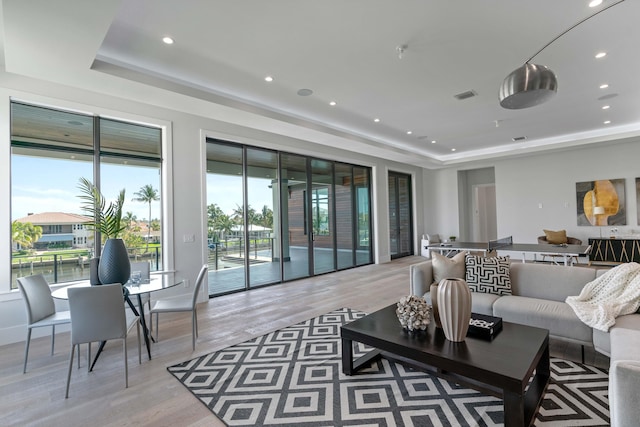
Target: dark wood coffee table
{"type": "Point", "coordinates": [516, 358]}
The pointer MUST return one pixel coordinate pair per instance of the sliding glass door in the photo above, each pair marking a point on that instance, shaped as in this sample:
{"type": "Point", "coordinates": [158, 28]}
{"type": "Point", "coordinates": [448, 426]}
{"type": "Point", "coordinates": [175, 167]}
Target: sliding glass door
{"type": "Point", "coordinates": [362, 204]}
{"type": "Point", "coordinates": [274, 217]}
{"type": "Point", "coordinates": [225, 239]}
{"type": "Point", "coordinates": [322, 217]}
{"type": "Point", "coordinates": [296, 240]}
{"type": "Point", "coordinates": [345, 232]}
{"type": "Point", "coordinates": [352, 215]}
{"type": "Point", "coordinates": [262, 197]}
{"type": "Point", "coordinates": [400, 215]}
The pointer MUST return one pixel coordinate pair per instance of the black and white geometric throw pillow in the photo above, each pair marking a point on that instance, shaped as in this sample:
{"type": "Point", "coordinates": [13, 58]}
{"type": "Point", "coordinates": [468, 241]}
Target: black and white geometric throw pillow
{"type": "Point", "coordinates": [488, 275]}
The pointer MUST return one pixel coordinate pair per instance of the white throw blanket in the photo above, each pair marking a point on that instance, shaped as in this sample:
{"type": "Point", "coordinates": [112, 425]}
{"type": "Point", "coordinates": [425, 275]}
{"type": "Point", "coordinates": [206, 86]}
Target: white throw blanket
{"type": "Point", "coordinates": [615, 293]}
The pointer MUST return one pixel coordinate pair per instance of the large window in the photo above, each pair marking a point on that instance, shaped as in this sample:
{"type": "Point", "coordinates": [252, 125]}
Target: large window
{"type": "Point", "coordinates": [50, 151]}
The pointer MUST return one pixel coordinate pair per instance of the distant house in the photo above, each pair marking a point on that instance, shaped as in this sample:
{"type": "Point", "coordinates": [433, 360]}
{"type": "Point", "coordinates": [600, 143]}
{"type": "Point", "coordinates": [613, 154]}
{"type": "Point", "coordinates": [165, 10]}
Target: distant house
{"type": "Point", "coordinates": [61, 230]}
{"type": "Point", "coordinates": [141, 228]}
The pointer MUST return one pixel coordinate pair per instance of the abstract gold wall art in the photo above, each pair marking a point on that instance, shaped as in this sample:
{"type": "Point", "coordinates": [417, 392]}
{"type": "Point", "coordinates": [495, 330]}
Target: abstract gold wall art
{"type": "Point", "coordinates": [601, 203]}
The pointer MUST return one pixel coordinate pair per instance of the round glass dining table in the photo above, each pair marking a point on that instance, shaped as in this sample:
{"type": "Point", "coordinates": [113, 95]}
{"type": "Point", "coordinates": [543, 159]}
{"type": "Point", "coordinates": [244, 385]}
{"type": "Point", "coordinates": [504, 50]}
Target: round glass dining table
{"type": "Point", "coordinates": [156, 282]}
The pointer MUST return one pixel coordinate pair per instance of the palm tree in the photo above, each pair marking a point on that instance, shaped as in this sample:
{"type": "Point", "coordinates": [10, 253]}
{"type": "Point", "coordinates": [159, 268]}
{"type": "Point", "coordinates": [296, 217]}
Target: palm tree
{"type": "Point", "coordinates": [129, 217]}
{"type": "Point", "coordinates": [266, 217]}
{"type": "Point", "coordinates": [238, 214]}
{"type": "Point", "coordinates": [147, 194]}
{"type": "Point", "coordinates": [25, 233]}
{"type": "Point", "coordinates": [224, 225]}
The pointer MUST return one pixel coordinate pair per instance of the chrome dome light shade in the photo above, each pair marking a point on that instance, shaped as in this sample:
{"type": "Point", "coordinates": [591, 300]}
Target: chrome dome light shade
{"type": "Point", "coordinates": [528, 86]}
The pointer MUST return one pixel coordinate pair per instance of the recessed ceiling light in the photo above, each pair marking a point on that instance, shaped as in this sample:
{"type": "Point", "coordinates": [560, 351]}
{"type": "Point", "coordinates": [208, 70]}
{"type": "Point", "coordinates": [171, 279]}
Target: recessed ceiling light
{"type": "Point", "coordinates": [595, 3]}
{"type": "Point", "coordinates": [433, 142]}
{"type": "Point", "coordinates": [453, 149]}
{"type": "Point", "coordinates": [606, 107]}
{"type": "Point", "coordinates": [606, 122]}
{"type": "Point", "coordinates": [167, 40]}
{"type": "Point", "coordinates": [409, 132]}
{"type": "Point", "coordinates": [601, 55]}
{"type": "Point", "coordinates": [268, 79]}
{"type": "Point", "coordinates": [333, 103]}
{"type": "Point", "coordinates": [377, 120]}
{"type": "Point", "coordinates": [604, 86]}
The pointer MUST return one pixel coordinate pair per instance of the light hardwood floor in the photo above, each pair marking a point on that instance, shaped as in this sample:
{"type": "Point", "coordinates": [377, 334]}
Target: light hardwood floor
{"type": "Point", "coordinates": [154, 397]}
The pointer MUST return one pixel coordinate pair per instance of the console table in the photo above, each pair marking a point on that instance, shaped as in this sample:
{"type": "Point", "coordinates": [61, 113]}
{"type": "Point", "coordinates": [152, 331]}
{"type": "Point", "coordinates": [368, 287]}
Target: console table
{"type": "Point", "coordinates": [614, 250]}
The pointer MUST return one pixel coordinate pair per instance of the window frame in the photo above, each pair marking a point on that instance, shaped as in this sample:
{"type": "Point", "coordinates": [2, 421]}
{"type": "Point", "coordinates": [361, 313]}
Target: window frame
{"type": "Point", "coordinates": [165, 166]}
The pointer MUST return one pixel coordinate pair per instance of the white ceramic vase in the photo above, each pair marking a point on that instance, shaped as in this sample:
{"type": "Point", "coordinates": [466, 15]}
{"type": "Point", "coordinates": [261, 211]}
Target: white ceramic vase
{"type": "Point", "coordinates": [454, 307]}
{"type": "Point", "coordinates": [433, 292]}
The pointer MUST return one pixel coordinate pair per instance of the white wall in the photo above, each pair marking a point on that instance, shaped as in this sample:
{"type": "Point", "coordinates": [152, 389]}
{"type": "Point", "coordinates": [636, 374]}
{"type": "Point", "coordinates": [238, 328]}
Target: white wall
{"type": "Point", "coordinates": [441, 202]}
{"type": "Point", "coordinates": [522, 184]}
{"type": "Point", "coordinates": [186, 180]}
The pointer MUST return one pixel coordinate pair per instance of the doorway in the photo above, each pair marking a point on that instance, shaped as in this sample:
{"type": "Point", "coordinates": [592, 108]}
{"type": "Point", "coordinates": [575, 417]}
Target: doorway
{"type": "Point", "coordinates": [400, 215]}
{"type": "Point", "coordinates": [484, 212]}
{"type": "Point", "coordinates": [477, 205]}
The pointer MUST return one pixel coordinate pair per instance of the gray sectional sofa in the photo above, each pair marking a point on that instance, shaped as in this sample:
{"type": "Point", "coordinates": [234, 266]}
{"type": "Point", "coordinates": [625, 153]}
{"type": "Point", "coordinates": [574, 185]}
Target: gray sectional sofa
{"type": "Point", "coordinates": [538, 295]}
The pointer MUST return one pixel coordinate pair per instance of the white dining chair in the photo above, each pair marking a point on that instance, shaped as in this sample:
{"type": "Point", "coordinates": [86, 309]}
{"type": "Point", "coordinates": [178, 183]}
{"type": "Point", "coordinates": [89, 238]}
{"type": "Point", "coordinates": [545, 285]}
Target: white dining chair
{"type": "Point", "coordinates": [41, 310]}
{"type": "Point", "coordinates": [98, 314]}
{"type": "Point", "coordinates": [145, 274]}
{"type": "Point", "coordinates": [182, 303]}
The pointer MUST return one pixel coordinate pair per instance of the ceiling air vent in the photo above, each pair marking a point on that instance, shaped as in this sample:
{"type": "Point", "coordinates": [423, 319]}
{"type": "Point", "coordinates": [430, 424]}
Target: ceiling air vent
{"type": "Point", "coordinates": [519, 138]}
{"type": "Point", "coordinates": [465, 95]}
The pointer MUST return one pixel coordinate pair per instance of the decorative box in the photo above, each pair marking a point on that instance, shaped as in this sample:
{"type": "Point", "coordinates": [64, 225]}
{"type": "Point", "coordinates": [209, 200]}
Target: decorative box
{"type": "Point", "coordinates": [483, 326]}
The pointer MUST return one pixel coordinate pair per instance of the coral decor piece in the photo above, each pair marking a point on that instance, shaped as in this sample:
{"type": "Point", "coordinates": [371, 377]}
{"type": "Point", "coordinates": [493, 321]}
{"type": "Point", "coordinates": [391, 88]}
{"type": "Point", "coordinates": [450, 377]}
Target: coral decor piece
{"type": "Point", "coordinates": [413, 313]}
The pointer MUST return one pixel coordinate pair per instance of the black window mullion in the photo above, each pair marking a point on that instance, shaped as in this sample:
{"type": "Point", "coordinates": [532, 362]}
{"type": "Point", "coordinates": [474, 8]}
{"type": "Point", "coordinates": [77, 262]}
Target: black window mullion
{"type": "Point", "coordinates": [97, 238]}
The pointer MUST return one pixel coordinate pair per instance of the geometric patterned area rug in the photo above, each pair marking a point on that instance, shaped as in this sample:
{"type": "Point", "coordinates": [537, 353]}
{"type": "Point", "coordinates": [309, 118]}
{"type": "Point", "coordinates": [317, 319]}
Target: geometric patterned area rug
{"type": "Point", "coordinates": [293, 377]}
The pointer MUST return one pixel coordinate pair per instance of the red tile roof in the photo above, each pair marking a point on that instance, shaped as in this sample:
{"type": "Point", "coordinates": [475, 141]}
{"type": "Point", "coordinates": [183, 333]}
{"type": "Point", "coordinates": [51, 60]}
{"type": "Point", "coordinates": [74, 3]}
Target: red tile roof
{"type": "Point", "coordinates": [46, 218]}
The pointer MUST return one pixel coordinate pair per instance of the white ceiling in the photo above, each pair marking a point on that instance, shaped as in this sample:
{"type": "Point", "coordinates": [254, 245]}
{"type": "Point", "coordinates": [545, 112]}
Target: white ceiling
{"type": "Point", "coordinates": [346, 51]}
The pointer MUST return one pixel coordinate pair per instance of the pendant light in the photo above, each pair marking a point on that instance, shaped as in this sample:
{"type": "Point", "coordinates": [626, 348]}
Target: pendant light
{"type": "Point", "coordinates": [533, 84]}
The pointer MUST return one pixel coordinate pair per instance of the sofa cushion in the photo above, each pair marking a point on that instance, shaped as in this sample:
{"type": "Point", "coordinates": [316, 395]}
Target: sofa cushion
{"type": "Point", "coordinates": [624, 383]}
{"type": "Point", "coordinates": [625, 338]}
{"type": "Point", "coordinates": [488, 275]}
{"type": "Point", "coordinates": [557, 317]}
{"type": "Point", "coordinates": [556, 237]}
{"type": "Point", "coordinates": [602, 342]}
{"type": "Point", "coordinates": [444, 268]}
{"type": "Point", "coordinates": [480, 303]}
{"type": "Point", "coordinates": [553, 282]}
{"type": "Point", "coordinates": [483, 303]}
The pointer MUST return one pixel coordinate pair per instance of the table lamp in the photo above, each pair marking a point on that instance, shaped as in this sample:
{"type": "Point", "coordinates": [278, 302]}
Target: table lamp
{"type": "Point", "coordinates": [598, 210]}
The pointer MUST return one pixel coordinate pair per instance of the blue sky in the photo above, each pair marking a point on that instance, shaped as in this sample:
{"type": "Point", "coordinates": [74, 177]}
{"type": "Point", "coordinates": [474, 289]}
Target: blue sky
{"type": "Point", "coordinates": [226, 192]}
{"type": "Point", "coordinates": [51, 185]}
